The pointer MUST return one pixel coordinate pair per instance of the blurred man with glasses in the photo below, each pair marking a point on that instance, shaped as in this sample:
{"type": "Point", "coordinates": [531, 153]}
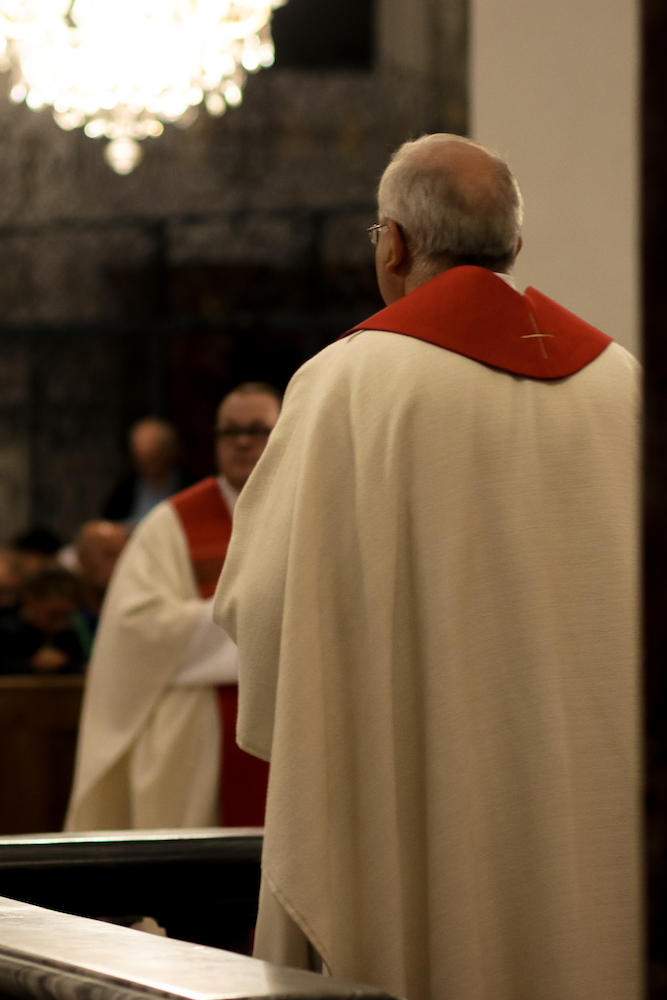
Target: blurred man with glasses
{"type": "Point", "coordinates": [159, 714]}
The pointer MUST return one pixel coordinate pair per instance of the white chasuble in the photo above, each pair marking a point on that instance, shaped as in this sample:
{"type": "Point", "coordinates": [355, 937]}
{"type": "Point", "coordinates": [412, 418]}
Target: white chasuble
{"type": "Point", "coordinates": [149, 746]}
{"type": "Point", "coordinates": [432, 581]}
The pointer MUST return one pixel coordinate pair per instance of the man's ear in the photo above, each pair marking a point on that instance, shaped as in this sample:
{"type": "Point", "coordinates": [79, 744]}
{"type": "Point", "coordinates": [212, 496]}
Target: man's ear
{"type": "Point", "coordinates": [518, 247]}
{"type": "Point", "coordinates": [398, 250]}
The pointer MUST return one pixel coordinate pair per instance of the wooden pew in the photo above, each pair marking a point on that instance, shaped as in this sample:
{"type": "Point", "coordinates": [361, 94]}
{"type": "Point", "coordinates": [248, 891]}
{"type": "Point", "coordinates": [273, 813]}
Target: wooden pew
{"type": "Point", "coordinates": [200, 885]}
{"type": "Point", "coordinates": [54, 956]}
{"type": "Point", "coordinates": [39, 719]}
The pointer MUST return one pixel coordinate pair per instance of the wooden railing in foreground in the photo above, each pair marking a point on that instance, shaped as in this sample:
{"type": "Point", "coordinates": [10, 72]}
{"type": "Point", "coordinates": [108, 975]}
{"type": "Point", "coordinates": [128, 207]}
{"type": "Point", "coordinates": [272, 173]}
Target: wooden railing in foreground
{"type": "Point", "coordinates": [201, 885]}
{"type": "Point", "coordinates": [46, 955]}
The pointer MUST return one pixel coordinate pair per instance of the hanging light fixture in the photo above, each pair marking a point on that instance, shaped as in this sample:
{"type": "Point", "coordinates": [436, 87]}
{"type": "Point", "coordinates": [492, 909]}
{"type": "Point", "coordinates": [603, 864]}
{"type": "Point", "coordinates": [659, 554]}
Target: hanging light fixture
{"type": "Point", "coordinates": [122, 68]}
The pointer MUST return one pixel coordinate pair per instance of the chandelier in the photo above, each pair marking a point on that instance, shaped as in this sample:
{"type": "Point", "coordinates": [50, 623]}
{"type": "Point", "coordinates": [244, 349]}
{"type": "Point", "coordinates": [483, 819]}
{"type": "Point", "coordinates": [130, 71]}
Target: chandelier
{"type": "Point", "coordinates": [123, 68]}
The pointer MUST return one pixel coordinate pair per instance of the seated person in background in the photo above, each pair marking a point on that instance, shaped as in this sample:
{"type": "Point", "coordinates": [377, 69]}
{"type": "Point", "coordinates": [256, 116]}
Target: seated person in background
{"type": "Point", "coordinates": [155, 452]}
{"type": "Point", "coordinates": [38, 637]}
{"type": "Point", "coordinates": [97, 547]}
{"type": "Point", "coordinates": [153, 727]}
{"type": "Point", "coordinates": [35, 547]}
{"type": "Point", "coordinates": [10, 579]}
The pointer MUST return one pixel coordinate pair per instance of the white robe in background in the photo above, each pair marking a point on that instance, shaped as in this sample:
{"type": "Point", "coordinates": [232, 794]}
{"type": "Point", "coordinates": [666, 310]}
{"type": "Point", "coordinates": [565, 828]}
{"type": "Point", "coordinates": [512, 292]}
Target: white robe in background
{"type": "Point", "coordinates": [149, 745]}
{"type": "Point", "coordinates": [432, 581]}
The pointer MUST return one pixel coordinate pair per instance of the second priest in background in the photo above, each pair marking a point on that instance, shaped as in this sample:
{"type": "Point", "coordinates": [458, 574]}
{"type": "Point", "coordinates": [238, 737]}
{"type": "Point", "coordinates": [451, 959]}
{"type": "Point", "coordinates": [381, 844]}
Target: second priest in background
{"type": "Point", "coordinates": [159, 712]}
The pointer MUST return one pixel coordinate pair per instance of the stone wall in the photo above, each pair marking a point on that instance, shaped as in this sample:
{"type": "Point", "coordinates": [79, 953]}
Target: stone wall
{"type": "Point", "coordinates": [236, 249]}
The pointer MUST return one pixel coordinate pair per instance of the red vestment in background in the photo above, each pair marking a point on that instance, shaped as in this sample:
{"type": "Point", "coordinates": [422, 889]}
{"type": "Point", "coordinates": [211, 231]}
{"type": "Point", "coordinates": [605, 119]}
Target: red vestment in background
{"type": "Point", "coordinates": [207, 524]}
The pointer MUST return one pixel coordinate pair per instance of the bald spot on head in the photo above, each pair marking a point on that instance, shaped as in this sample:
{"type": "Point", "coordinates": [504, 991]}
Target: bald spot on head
{"type": "Point", "coordinates": [152, 433]}
{"type": "Point", "coordinates": [154, 447]}
{"type": "Point", "coordinates": [95, 533]}
{"type": "Point", "coordinates": [98, 545]}
{"type": "Point", "coordinates": [468, 170]}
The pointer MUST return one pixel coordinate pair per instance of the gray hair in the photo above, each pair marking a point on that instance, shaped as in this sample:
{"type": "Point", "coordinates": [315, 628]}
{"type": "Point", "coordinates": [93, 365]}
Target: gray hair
{"type": "Point", "coordinates": [445, 218]}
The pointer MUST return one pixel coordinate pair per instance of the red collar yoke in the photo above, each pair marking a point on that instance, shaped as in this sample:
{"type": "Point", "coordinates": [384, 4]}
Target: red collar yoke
{"type": "Point", "coordinates": [473, 312]}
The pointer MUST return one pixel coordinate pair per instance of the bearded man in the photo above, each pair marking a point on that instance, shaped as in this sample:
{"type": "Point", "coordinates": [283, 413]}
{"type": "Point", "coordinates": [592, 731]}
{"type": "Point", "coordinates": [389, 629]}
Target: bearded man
{"type": "Point", "coordinates": [433, 586]}
{"type": "Point", "coordinates": [157, 743]}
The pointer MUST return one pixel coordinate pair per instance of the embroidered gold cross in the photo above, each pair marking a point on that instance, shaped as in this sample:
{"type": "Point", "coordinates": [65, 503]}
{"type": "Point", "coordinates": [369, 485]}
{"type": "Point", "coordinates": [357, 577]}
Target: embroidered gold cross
{"type": "Point", "coordinates": [531, 336]}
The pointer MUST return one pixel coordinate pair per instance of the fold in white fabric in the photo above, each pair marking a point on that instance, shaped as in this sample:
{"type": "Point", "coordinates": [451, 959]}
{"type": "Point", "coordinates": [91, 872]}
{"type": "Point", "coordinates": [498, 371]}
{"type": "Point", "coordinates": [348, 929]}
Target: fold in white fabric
{"type": "Point", "coordinates": [210, 656]}
{"type": "Point", "coordinates": [149, 744]}
{"type": "Point", "coordinates": [432, 581]}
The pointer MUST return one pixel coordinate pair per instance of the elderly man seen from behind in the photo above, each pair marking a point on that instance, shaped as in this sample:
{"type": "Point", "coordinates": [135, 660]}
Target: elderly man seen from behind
{"type": "Point", "coordinates": [433, 586]}
{"type": "Point", "coordinates": [159, 712]}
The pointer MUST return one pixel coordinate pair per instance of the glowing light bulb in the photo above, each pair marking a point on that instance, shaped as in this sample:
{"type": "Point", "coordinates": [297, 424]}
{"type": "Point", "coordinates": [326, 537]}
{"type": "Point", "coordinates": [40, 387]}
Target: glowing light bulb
{"type": "Point", "coordinates": [123, 155]}
{"type": "Point", "coordinates": [233, 94]}
{"type": "Point", "coordinates": [250, 60]}
{"type": "Point", "coordinates": [215, 103]}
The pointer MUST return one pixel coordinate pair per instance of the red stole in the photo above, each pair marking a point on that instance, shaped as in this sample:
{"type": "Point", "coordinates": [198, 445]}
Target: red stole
{"type": "Point", "coordinates": [471, 311]}
{"type": "Point", "coordinates": [208, 527]}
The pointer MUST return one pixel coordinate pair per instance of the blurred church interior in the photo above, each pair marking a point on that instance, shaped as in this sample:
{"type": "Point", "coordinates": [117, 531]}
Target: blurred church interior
{"type": "Point", "coordinates": [235, 251]}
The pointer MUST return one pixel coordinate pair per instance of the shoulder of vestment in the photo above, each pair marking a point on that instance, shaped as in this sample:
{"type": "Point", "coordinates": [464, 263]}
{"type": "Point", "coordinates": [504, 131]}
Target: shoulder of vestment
{"type": "Point", "coordinates": [473, 312]}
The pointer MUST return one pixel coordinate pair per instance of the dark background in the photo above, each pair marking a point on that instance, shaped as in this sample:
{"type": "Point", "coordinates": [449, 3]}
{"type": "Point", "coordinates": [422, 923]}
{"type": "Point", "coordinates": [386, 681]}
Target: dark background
{"type": "Point", "coordinates": [654, 288]}
{"type": "Point", "coordinates": [336, 35]}
{"type": "Point", "coordinates": [236, 250]}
